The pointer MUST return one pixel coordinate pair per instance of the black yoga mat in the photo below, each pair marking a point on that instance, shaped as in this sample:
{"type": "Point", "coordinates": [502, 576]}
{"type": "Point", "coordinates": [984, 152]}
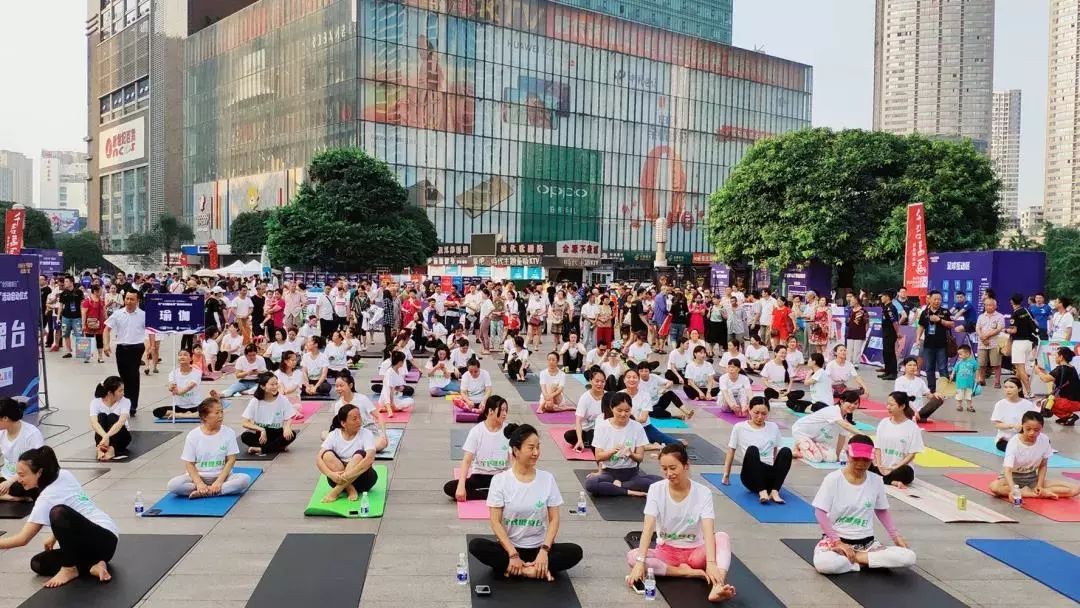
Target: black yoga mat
{"type": "Point", "coordinates": [141, 560]}
{"type": "Point", "coordinates": [10, 509]}
{"type": "Point", "coordinates": [615, 508]}
{"type": "Point", "coordinates": [529, 391]}
{"type": "Point", "coordinates": [881, 587]}
{"type": "Point", "coordinates": [457, 439]}
{"type": "Point", "coordinates": [244, 456]}
{"type": "Point", "coordinates": [689, 593]}
{"type": "Point", "coordinates": [141, 443]}
{"type": "Point", "coordinates": [701, 451]}
{"type": "Point", "coordinates": [519, 592]}
{"type": "Point", "coordinates": [323, 570]}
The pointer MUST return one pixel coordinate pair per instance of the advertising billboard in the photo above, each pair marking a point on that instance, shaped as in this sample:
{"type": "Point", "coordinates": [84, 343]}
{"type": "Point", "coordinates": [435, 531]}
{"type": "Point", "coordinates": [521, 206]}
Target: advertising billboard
{"type": "Point", "coordinates": [561, 194]}
{"type": "Point", "coordinates": [63, 221]}
{"type": "Point", "coordinates": [123, 143]}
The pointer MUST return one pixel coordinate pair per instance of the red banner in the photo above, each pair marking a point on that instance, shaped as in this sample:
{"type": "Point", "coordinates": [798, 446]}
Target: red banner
{"type": "Point", "coordinates": [13, 231]}
{"type": "Point", "coordinates": [211, 250]}
{"type": "Point", "coordinates": [916, 258]}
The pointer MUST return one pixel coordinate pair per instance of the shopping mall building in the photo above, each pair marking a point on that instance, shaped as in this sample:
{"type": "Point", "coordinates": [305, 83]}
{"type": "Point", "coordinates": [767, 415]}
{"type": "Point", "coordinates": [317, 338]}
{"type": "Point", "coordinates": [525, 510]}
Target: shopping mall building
{"type": "Point", "coordinates": [566, 131]}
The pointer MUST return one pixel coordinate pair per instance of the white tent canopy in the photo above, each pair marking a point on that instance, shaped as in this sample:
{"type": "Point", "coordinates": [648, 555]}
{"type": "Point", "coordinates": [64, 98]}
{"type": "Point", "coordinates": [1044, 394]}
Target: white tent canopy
{"type": "Point", "coordinates": [236, 269]}
{"type": "Point", "coordinates": [253, 267]}
{"type": "Point", "coordinates": [206, 272]}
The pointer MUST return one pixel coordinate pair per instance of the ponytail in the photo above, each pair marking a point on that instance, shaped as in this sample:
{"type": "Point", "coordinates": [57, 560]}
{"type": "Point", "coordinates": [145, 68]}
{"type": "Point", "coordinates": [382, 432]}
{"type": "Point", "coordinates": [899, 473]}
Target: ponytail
{"type": "Point", "coordinates": [107, 386]}
{"type": "Point", "coordinates": [903, 400]}
{"type": "Point", "coordinates": [42, 460]}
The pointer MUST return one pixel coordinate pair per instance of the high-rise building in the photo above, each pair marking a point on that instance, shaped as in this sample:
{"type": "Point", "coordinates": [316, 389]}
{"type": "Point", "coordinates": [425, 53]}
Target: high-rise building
{"type": "Point", "coordinates": [62, 181]}
{"type": "Point", "coordinates": [1005, 151]}
{"type": "Point", "coordinates": [567, 126]}
{"type": "Point", "coordinates": [934, 68]}
{"type": "Point", "coordinates": [16, 178]}
{"type": "Point", "coordinates": [708, 19]}
{"type": "Point", "coordinates": [1031, 220]}
{"type": "Point", "coordinates": [1061, 204]}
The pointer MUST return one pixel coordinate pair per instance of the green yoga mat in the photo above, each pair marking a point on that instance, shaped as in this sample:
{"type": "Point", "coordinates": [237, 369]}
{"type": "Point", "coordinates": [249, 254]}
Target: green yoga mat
{"type": "Point", "coordinates": [343, 507]}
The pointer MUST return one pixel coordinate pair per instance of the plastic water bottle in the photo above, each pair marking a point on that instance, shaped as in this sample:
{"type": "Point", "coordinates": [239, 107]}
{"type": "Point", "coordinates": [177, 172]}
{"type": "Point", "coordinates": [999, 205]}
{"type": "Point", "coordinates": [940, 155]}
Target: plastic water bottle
{"type": "Point", "coordinates": [462, 570]}
{"type": "Point", "coordinates": [1017, 497]}
{"type": "Point", "coordinates": [650, 586]}
{"type": "Point", "coordinates": [365, 506]}
{"type": "Point", "coordinates": [582, 506]}
{"type": "Point", "coordinates": [139, 505]}
{"type": "Point", "coordinates": [843, 458]}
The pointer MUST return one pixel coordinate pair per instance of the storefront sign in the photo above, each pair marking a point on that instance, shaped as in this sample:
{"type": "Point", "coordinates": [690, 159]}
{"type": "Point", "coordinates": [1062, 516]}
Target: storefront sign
{"type": "Point", "coordinates": [449, 250]}
{"type": "Point", "coordinates": [578, 249]}
{"type": "Point", "coordinates": [701, 259]}
{"type": "Point", "coordinates": [524, 248]}
{"type": "Point", "coordinates": [505, 260]}
{"type": "Point", "coordinates": [123, 143]}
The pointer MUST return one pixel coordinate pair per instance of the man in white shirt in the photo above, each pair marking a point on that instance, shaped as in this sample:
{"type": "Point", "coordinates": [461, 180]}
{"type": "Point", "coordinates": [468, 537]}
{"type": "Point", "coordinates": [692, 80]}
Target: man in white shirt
{"type": "Point", "coordinates": [1062, 321]}
{"type": "Point", "coordinates": [589, 310]}
{"type": "Point", "coordinates": [127, 326]}
{"type": "Point", "coordinates": [768, 304]}
{"type": "Point", "coordinates": [241, 307]}
{"type": "Point", "coordinates": [309, 329]}
{"type": "Point", "coordinates": [324, 309]}
{"type": "Point", "coordinates": [340, 296]}
{"type": "Point", "coordinates": [989, 328]}
{"type": "Point", "coordinates": [295, 304]}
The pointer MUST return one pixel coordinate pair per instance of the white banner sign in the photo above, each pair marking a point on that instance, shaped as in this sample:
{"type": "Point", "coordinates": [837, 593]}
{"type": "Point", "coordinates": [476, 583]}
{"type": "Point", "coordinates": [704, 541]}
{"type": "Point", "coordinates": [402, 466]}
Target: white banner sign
{"type": "Point", "coordinates": [123, 143]}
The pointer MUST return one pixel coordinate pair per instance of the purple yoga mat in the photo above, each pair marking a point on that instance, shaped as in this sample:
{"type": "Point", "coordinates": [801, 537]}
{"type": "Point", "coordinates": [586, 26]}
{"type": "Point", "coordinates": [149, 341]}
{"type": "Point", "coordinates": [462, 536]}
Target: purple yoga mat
{"type": "Point", "coordinates": [732, 419]}
{"type": "Point", "coordinates": [566, 417]}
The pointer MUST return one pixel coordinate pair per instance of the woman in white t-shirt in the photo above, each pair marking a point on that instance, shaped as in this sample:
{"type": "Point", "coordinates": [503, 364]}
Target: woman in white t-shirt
{"type": "Point", "coordinates": [86, 535]}
{"type": "Point", "coordinates": [677, 360]}
{"type": "Point", "coordinates": [268, 419]}
{"type": "Point", "coordinates": [209, 456]}
{"type": "Point", "coordinates": [819, 437]}
{"type": "Point", "coordinates": [639, 351]}
{"type": "Point", "coordinates": [290, 377]}
{"type": "Point", "coordinates": [552, 387]}
{"type": "Point", "coordinates": [248, 368]}
{"type": "Point", "coordinates": [757, 444]}
{"type": "Point", "coordinates": [899, 440]}
{"type": "Point", "coordinates": [441, 373]}
{"type": "Point", "coordinates": [588, 411]}
{"type": "Point", "coordinates": [460, 356]}
{"type": "Point", "coordinates": [700, 383]}
{"type": "Point", "coordinates": [370, 418]}
{"type": "Point", "coordinates": [757, 354]}
{"type": "Point", "coordinates": [641, 405]}
{"type": "Point", "coordinates": [777, 377]}
{"type": "Point", "coordinates": [1009, 411]}
{"type": "Point", "coordinates": [475, 388]}
{"type": "Point", "coordinates": [734, 390]}
{"type": "Point", "coordinates": [821, 393]}
{"type": "Point", "coordinates": [524, 502]}
{"type": "Point", "coordinates": [841, 371]}
{"type": "Point", "coordinates": [109, 413]}
{"type": "Point", "coordinates": [486, 453]}
{"type": "Point", "coordinates": [393, 393]}
{"type": "Point", "coordinates": [845, 506]}
{"type": "Point", "coordinates": [517, 361]}
{"type": "Point", "coordinates": [184, 383]}
{"type": "Point", "coordinates": [572, 352]}
{"type": "Point", "coordinates": [613, 368]}
{"type": "Point", "coordinates": [347, 456]}
{"type": "Point", "coordinates": [694, 340]}
{"type": "Point", "coordinates": [232, 343]}
{"type": "Point", "coordinates": [337, 355]}
{"type": "Point", "coordinates": [619, 445]}
{"type": "Point", "coordinates": [680, 512]}
{"type": "Point", "coordinates": [923, 401]}
{"type": "Point", "coordinates": [316, 366]}
{"type": "Point", "coordinates": [273, 351]}
{"type": "Point", "coordinates": [16, 437]}
{"type": "Point", "coordinates": [1026, 457]}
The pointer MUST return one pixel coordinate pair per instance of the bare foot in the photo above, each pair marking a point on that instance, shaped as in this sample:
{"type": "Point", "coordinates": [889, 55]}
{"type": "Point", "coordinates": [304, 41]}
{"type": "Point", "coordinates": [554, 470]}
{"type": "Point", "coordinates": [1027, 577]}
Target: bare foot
{"type": "Point", "coordinates": [775, 496]}
{"type": "Point", "coordinates": [636, 493]}
{"type": "Point", "coordinates": [690, 414]}
{"type": "Point", "coordinates": [255, 451]}
{"type": "Point", "coordinates": [1047, 494]}
{"type": "Point", "coordinates": [197, 494]}
{"type": "Point", "coordinates": [101, 571]}
{"type": "Point", "coordinates": [899, 484]}
{"type": "Point", "coordinates": [65, 576]}
{"type": "Point", "coordinates": [721, 593]}
{"type": "Point", "coordinates": [684, 442]}
{"type": "Point", "coordinates": [332, 495]}
{"type": "Point", "coordinates": [654, 446]}
{"type": "Point", "coordinates": [353, 494]}
{"type": "Point", "coordinates": [763, 497]}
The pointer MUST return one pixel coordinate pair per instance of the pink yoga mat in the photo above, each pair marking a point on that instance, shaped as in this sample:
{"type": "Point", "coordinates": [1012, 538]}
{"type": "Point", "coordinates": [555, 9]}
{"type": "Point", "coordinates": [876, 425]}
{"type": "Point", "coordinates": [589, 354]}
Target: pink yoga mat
{"type": "Point", "coordinates": [1071, 475]}
{"type": "Point", "coordinates": [400, 416]}
{"type": "Point", "coordinates": [1063, 509]}
{"type": "Point", "coordinates": [727, 417]}
{"type": "Point", "coordinates": [930, 426]}
{"type": "Point", "coordinates": [470, 509]}
{"type": "Point", "coordinates": [566, 417]}
{"type": "Point", "coordinates": [567, 449]}
{"type": "Point", "coordinates": [307, 410]}
{"type": "Point", "coordinates": [870, 404]}
{"type": "Point", "coordinates": [461, 415]}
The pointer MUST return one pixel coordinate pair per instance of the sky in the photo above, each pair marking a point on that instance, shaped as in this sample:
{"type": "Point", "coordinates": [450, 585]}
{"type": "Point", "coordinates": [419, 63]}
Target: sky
{"type": "Point", "coordinates": [44, 44]}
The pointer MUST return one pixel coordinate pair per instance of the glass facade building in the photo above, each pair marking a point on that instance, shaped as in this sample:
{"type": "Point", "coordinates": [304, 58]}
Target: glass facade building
{"type": "Point", "coordinates": [708, 19]}
{"type": "Point", "coordinates": [528, 118]}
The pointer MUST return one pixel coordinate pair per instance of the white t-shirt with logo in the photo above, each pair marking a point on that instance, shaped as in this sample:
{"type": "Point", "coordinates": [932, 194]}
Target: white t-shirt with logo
{"type": "Point", "coordinates": [652, 388]}
{"type": "Point", "coordinates": [820, 388]}
{"type": "Point", "coordinates": [121, 407]}
{"type": "Point", "coordinates": [1010, 413]}
{"type": "Point", "coordinates": [766, 439]}
{"type": "Point", "coordinates": [337, 356]}
{"type": "Point", "coordinates": [67, 491]}
{"type": "Point", "coordinates": [268, 414]}
{"type": "Point", "coordinates": [243, 365]}
{"type": "Point", "coordinates": [699, 374]}
{"type": "Point", "coordinates": [474, 388]}
{"type": "Point", "coordinates": [677, 360]}
{"type": "Point", "coordinates": [589, 410]}
{"type": "Point", "coordinates": [490, 450]}
{"type": "Point", "coordinates": [209, 452]}
{"type": "Point", "coordinates": [291, 381]}
{"type": "Point", "coordinates": [524, 506]}
{"type": "Point", "coordinates": [896, 441]}
{"type": "Point", "coordinates": [639, 352]}
{"type": "Point", "coordinates": [314, 366]}
{"type": "Point", "coordinates": [757, 354]}
{"type": "Point", "coordinates": [774, 373]}
{"type": "Point", "coordinates": [461, 359]}
{"type": "Point", "coordinates": [840, 373]}
{"type": "Point", "coordinates": [438, 378]}
{"type": "Point", "coordinates": [608, 437]}
{"type": "Point", "coordinates": [234, 345]}
{"type": "Point", "coordinates": [641, 402]}
{"type": "Point", "coordinates": [850, 507]}
{"type": "Point", "coordinates": [915, 388]}
{"type": "Point", "coordinates": [1024, 458]}
{"type": "Point", "coordinates": [740, 388]}
{"type": "Point", "coordinates": [344, 448]}
{"type": "Point", "coordinates": [366, 407]}
{"type": "Point", "coordinates": [546, 379]}
{"type": "Point", "coordinates": [820, 426]}
{"type": "Point", "coordinates": [181, 380]}
{"type": "Point", "coordinates": [678, 524]}
{"type": "Point", "coordinates": [29, 437]}
{"type": "Point", "coordinates": [391, 381]}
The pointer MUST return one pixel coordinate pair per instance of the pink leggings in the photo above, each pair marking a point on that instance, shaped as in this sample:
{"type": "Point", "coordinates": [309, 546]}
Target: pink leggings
{"type": "Point", "coordinates": [665, 555]}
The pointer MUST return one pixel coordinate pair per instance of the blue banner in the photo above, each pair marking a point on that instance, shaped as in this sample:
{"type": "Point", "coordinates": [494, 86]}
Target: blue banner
{"type": "Point", "coordinates": [174, 313]}
{"type": "Point", "coordinates": [50, 261]}
{"type": "Point", "coordinates": [20, 316]}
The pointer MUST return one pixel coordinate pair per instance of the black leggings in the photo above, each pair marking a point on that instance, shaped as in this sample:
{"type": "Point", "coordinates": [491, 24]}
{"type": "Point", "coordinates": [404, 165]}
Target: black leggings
{"type": "Point", "coordinates": [586, 437]}
{"type": "Point", "coordinates": [904, 474]}
{"type": "Point", "coordinates": [364, 482]}
{"type": "Point", "coordinates": [660, 409]}
{"type": "Point", "coordinates": [700, 395]}
{"type": "Point", "coordinates": [1001, 444]}
{"type": "Point", "coordinates": [406, 391]}
{"type": "Point", "coordinates": [322, 388]}
{"type": "Point", "coordinates": [613, 384]}
{"type": "Point", "coordinates": [121, 440]}
{"type": "Point", "coordinates": [275, 440]}
{"type": "Point", "coordinates": [513, 368]}
{"type": "Point", "coordinates": [561, 557]}
{"type": "Point", "coordinates": [927, 410]}
{"type": "Point", "coordinates": [795, 399]}
{"type": "Point", "coordinates": [82, 543]}
{"type": "Point", "coordinates": [164, 411]}
{"type": "Point", "coordinates": [670, 375]}
{"type": "Point", "coordinates": [572, 364]}
{"type": "Point", "coordinates": [757, 476]}
{"type": "Point", "coordinates": [220, 361]}
{"type": "Point", "coordinates": [476, 487]}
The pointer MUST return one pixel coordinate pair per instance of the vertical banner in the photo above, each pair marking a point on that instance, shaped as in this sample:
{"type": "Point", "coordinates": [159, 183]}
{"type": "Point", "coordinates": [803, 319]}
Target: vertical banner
{"type": "Point", "coordinates": [19, 320]}
{"type": "Point", "coordinates": [211, 250]}
{"type": "Point", "coordinates": [13, 231]}
{"type": "Point", "coordinates": [174, 313]}
{"type": "Point", "coordinates": [916, 257]}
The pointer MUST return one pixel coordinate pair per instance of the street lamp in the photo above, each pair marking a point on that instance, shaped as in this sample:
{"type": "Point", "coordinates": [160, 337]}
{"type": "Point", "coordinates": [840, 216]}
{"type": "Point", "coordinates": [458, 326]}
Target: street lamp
{"type": "Point", "coordinates": [660, 231]}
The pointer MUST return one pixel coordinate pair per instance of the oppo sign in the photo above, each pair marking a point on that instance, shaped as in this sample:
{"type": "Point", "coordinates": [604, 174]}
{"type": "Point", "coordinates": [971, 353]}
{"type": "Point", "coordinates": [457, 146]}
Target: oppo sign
{"type": "Point", "coordinates": [554, 191]}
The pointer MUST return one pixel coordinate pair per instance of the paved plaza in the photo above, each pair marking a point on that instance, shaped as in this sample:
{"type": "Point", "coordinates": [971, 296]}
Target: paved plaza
{"type": "Point", "coordinates": [419, 537]}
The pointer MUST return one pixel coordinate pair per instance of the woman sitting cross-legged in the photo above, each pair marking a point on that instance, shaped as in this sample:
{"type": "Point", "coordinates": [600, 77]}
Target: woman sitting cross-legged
{"type": "Point", "coordinates": [1026, 458]}
{"type": "Point", "coordinates": [619, 445]}
{"type": "Point", "coordinates": [347, 456]}
{"type": "Point", "coordinates": [268, 419]}
{"type": "Point", "coordinates": [209, 455]}
{"type": "Point", "coordinates": [756, 443]}
{"type": "Point", "coordinates": [487, 453]}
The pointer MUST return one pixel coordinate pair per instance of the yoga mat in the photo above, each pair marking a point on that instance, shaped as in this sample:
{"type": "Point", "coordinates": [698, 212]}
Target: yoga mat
{"type": "Point", "coordinates": [1071, 475]}
{"type": "Point", "coordinates": [566, 417]}
{"type": "Point", "coordinates": [789, 443]}
{"type": "Point", "coordinates": [399, 417]}
{"type": "Point", "coordinates": [245, 457]}
{"type": "Point", "coordinates": [881, 587]}
{"type": "Point", "coordinates": [859, 425]}
{"type": "Point", "coordinates": [732, 419]}
{"type": "Point", "coordinates": [307, 410]}
{"type": "Point", "coordinates": [1052, 566]}
{"type": "Point", "coordinates": [930, 426]}
{"type": "Point", "coordinates": [470, 509]}
{"type": "Point", "coordinates": [214, 506]}
{"type": "Point", "coordinates": [701, 451]}
{"type": "Point", "coordinates": [318, 398]}
{"type": "Point", "coordinates": [394, 436]}
{"type": "Point", "coordinates": [461, 415]}
{"type": "Point", "coordinates": [411, 377]}
{"type": "Point", "coordinates": [795, 510]}
{"type": "Point", "coordinates": [1062, 509]}
{"type": "Point", "coordinates": [518, 592]}
{"type": "Point", "coordinates": [324, 570]}
{"type": "Point", "coordinates": [141, 561]}
{"type": "Point", "coordinates": [750, 592]}
{"type": "Point", "coordinates": [567, 449]}
{"type": "Point", "coordinates": [343, 507]}
{"type": "Point", "coordinates": [141, 443]}
{"type": "Point", "coordinates": [936, 459]}
{"type": "Point", "coordinates": [529, 390]}
{"type": "Point", "coordinates": [668, 423]}
{"type": "Point", "coordinates": [986, 444]}
{"type": "Point", "coordinates": [870, 404]}
{"type": "Point", "coordinates": [941, 504]}
{"type": "Point", "coordinates": [580, 378]}
{"type": "Point", "coordinates": [457, 439]}
{"type": "Point", "coordinates": [225, 403]}
{"type": "Point", "coordinates": [615, 508]}
{"type": "Point", "coordinates": [681, 394]}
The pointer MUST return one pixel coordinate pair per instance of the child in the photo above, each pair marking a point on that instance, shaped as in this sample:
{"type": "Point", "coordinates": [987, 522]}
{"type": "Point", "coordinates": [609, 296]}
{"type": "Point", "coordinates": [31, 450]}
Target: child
{"type": "Point", "coordinates": [198, 360]}
{"type": "Point", "coordinates": [964, 376]}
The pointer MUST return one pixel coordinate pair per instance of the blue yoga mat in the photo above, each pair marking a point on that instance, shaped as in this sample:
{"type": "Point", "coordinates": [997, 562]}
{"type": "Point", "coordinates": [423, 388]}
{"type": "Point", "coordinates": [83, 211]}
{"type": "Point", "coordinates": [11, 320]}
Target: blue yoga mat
{"type": "Point", "coordinates": [393, 436]}
{"type": "Point", "coordinates": [668, 423]}
{"type": "Point", "coordinates": [1052, 566]}
{"type": "Point", "coordinates": [986, 444]}
{"type": "Point", "coordinates": [580, 379]}
{"type": "Point", "coordinates": [794, 511]}
{"type": "Point", "coordinates": [215, 506]}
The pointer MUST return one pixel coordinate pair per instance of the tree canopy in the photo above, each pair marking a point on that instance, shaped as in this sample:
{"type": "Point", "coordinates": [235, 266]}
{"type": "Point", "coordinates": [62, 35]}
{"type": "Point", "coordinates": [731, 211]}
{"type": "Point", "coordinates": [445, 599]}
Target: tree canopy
{"type": "Point", "coordinates": [38, 230]}
{"type": "Point", "coordinates": [1062, 247]}
{"type": "Point", "coordinates": [841, 197]}
{"type": "Point", "coordinates": [352, 213]}
{"type": "Point", "coordinates": [82, 250]}
{"type": "Point", "coordinates": [247, 233]}
{"type": "Point", "coordinates": [167, 235]}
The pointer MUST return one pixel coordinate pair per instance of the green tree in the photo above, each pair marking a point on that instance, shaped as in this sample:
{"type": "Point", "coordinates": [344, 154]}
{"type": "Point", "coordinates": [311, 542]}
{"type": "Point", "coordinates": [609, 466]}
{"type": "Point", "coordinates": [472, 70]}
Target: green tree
{"type": "Point", "coordinates": [81, 250]}
{"type": "Point", "coordinates": [38, 230]}
{"type": "Point", "coordinates": [1022, 242]}
{"type": "Point", "coordinates": [1062, 246]}
{"type": "Point", "coordinates": [247, 233]}
{"type": "Point", "coordinates": [352, 213]}
{"type": "Point", "coordinates": [841, 197]}
{"type": "Point", "coordinates": [167, 235]}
